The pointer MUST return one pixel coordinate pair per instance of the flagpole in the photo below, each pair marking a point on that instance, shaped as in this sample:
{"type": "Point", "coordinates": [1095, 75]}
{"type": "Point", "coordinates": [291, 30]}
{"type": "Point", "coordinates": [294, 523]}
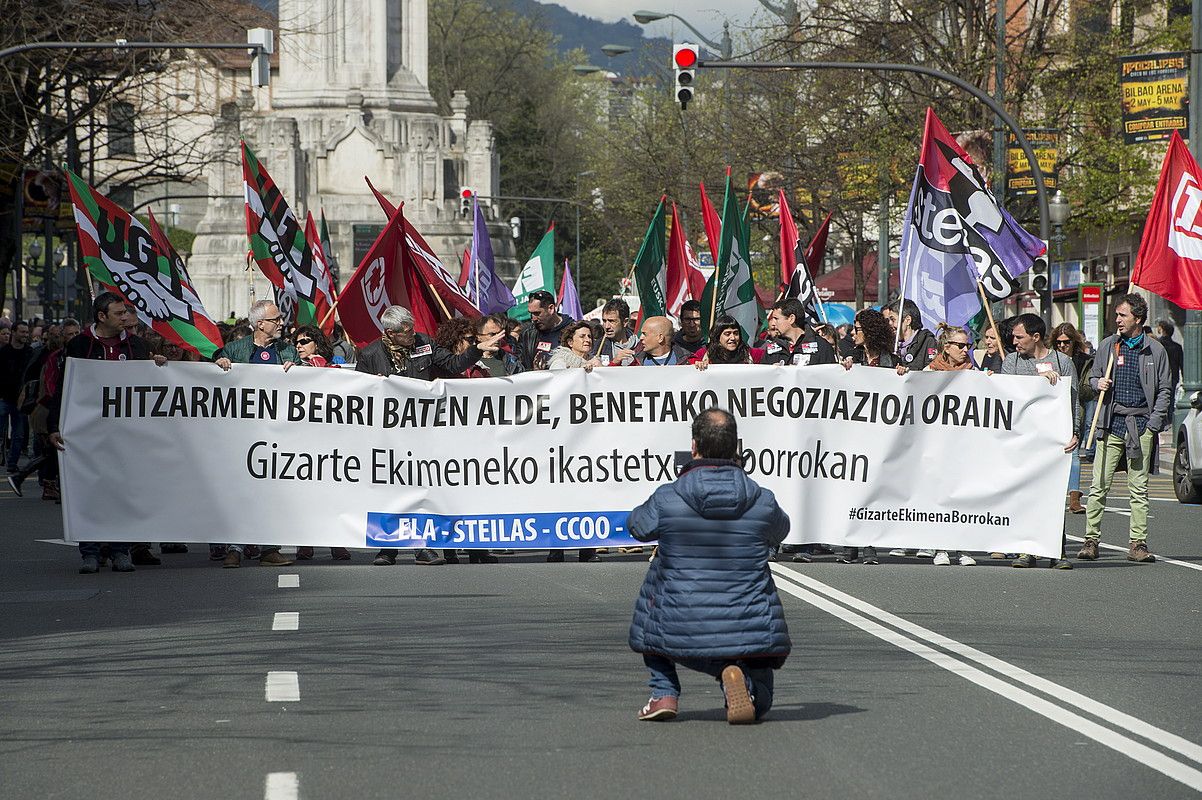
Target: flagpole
{"type": "Point", "coordinates": [1093, 428]}
{"type": "Point", "coordinates": [438, 297]}
{"type": "Point", "coordinates": [989, 312]}
{"type": "Point", "coordinates": [330, 313]}
{"type": "Point", "coordinates": [901, 304]}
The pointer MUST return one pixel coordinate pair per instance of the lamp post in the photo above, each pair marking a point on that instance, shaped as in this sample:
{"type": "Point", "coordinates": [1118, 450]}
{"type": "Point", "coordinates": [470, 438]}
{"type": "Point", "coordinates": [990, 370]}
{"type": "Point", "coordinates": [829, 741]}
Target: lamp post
{"type": "Point", "coordinates": [35, 258]}
{"type": "Point", "coordinates": [1059, 210]}
{"type": "Point", "coordinates": [722, 48]}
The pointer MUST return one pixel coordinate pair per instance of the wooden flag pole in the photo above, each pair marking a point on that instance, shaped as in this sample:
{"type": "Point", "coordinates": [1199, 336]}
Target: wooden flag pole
{"type": "Point", "coordinates": [1097, 412]}
{"type": "Point", "coordinates": [1001, 348]}
{"type": "Point", "coordinates": [438, 297]}
{"type": "Point", "coordinates": [600, 346]}
{"type": "Point", "coordinates": [330, 313]}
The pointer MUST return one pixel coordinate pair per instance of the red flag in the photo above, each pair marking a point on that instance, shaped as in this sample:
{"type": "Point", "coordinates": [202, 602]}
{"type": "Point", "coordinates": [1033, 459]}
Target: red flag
{"type": "Point", "coordinates": [788, 241]}
{"type": "Point", "coordinates": [375, 285]}
{"type": "Point", "coordinates": [465, 268]}
{"type": "Point", "coordinates": [713, 226]}
{"type": "Point", "coordinates": [1170, 255]}
{"type": "Point", "coordinates": [685, 281]}
{"type": "Point", "coordinates": [445, 293]}
{"type": "Point", "coordinates": [323, 299]}
{"type": "Point", "coordinates": [389, 208]}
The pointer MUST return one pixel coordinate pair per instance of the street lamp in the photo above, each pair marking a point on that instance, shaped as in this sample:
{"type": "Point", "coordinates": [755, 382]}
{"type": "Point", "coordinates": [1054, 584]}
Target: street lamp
{"type": "Point", "coordinates": [1059, 210]}
{"type": "Point", "coordinates": [722, 48]}
{"type": "Point", "coordinates": [612, 50]}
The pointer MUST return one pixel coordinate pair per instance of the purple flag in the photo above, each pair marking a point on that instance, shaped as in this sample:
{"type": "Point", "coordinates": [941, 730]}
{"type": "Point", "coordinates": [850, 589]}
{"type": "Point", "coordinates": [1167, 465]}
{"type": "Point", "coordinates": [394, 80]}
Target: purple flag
{"type": "Point", "coordinates": [486, 291]}
{"type": "Point", "coordinates": [956, 235]}
{"type": "Point", "coordinates": [569, 300]}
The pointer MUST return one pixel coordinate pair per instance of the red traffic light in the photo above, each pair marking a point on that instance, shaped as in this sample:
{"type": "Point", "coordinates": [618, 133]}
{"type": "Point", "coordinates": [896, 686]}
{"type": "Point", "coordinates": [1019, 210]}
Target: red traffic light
{"type": "Point", "coordinates": [685, 56]}
{"type": "Point", "coordinates": [465, 193]}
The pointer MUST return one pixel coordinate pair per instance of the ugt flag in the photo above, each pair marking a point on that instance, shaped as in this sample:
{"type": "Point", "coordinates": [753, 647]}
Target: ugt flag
{"type": "Point", "coordinates": [795, 264]}
{"type": "Point", "coordinates": [650, 268]}
{"type": "Point", "coordinates": [956, 235]}
{"type": "Point", "coordinates": [538, 273]}
{"type": "Point", "coordinates": [1170, 255]}
{"type": "Point", "coordinates": [142, 267]}
{"type": "Point", "coordinates": [278, 242]}
{"type": "Point", "coordinates": [486, 291]}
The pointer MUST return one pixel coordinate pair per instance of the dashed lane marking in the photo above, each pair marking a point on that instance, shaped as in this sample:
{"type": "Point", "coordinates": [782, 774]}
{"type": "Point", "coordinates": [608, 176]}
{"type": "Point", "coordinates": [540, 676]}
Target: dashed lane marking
{"type": "Point", "coordinates": [289, 582]}
{"type": "Point", "coordinates": [282, 687]}
{"type": "Point", "coordinates": [286, 621]}
{"type": "Point", "coordinates": [281, 786]}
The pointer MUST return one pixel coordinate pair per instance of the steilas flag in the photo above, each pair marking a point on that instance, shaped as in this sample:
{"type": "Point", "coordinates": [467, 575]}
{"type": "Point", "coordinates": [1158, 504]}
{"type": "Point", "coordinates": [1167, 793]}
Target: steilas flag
{"type": "Point", "coordinates": [142, 267]}
{"type": "Point", "coordinates": [1170, 255]}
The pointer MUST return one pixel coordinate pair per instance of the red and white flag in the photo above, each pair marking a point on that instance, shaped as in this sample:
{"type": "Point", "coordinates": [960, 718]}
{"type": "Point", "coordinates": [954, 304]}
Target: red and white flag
{"type": "Point", "coordinates": [1170, 256]}
{"type": "Point", "coordinates": [324, 289]}
{"type": "Point", "coordinates": [685, 281]}
{"type": "Point", "coordinates": [375, 285]}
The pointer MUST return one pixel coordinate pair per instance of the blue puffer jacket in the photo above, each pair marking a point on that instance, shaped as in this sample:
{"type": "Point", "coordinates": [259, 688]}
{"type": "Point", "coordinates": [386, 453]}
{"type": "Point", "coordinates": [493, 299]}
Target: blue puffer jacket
{"type": "Point", "coordinates": [709, 593]}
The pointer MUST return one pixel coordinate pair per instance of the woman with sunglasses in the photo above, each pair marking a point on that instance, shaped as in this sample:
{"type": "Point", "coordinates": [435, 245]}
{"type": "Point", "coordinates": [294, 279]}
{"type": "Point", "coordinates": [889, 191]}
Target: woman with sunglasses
{"type": "Point", "coordinates": [314, 351]}
{"type": "Point", "coordinates": [953, 356]}
{"type": "Point", "coordinates": [1070, 342]}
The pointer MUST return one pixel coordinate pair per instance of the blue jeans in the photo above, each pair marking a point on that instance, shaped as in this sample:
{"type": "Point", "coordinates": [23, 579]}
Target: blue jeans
{"type": "Point", "coordinates": [665, 683]}
{"type": "Point", "coordinates": [18, 426]}
{"type": "Point", "coordinates": [93, 548]}
{"type": "Point", "coordinates": [1074, 472]}
{"type": "Point", "coordinates": [1083, 434]}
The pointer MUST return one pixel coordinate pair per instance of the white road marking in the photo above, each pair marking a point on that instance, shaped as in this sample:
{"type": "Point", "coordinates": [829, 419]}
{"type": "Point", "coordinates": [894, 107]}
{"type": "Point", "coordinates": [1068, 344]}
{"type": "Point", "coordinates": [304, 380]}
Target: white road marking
{"type": "Point", "coordinates": [281, 786]}
{"type": "Point", "coordinates": [289, 582]}
{"type": "Point", "coordinates": [286, 621]}
{"type": "Point", "coordinates": [1159, 557]}
{"type": "Point", "coordinates": [1116, 741]}
{"type": "Point", "coordinates": [283, 687]}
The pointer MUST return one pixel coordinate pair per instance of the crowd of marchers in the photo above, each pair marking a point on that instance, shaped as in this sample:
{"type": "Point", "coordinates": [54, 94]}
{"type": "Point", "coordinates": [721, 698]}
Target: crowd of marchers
{"type": "Point", "coordinates": [1122, 386]}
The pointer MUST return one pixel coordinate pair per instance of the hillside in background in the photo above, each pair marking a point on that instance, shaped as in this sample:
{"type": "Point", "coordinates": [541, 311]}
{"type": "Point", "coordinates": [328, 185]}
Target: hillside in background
{"type": "Point", "coordinates": [578, 31]}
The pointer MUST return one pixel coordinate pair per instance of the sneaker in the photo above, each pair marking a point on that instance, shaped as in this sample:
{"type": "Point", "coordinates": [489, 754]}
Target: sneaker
{"type": "Point", "coordinates": [1024, 561]}
{"type": "Point", "coordinates": [272, 558]}
{"type": "Point", "coordinates": [232, 560]}
{"type": "Point", "coordinates": [304, 553]}
{"type": "Point", "coordinates": [50, 491]}
{"type": "Point", "coordinates": [555, 557]}
{"type": "Point", "coordinates": [216, 552]}
{"type": "Point", "coordinates": [451, 556]}
{"type": "Point", "coordinates": [143, 557]}
{"type": "Point", "coordinates": [252, 551]}
{"type": "Point", "coordinates": [588, 557]}
{"type": "Point", "coordinates": [1061, 563]}
{"type": "Point", "coordinates": [15, 485]}
{"type": "Point", "coordinates": [1088, 551]}
{"type": "Point", "coordinates": [740, 710]}
{"type": "Point", "coordinates": [925, 554]}
{"type": "Point", "coordinates": [848, 556]}
{"type": "Point", "coordinates": [942, 559]}
{"type": "Point", "coordinates": [898, 552]}
{"type": "Point", "coordinates": [997, 556]}
{"type": "Point", "coordinates": [869, 554]}
{"type": "Point", "coordinates": [384, 559]}
{"type": "Point", "coordinates": [1139, 552]}
{"type": "Point", "coordinates": [340, 554]}
{"type": "Point", "coordinates": [122, 563]}
{"type": "Point", "coordinates": [801, 558]}
{"type": "Point", "coordinates": [658, 708]}
{"type": "Point", "coordinates": [428, 558]}
{"type": "Point", "coordinates": [89, 566]}
{"type": "Point", "coordinates": [482, 558]}
{"type": "Point", "coordinates": [967, 561]}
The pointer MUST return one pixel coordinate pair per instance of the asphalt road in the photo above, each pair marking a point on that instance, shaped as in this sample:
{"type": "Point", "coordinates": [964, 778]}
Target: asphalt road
{"type": "Point", "coordinates": [514, 680]}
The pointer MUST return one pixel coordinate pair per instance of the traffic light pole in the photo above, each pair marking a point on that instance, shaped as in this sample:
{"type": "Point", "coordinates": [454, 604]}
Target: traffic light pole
{"type": "Point", "coordinates": [1045, 295]}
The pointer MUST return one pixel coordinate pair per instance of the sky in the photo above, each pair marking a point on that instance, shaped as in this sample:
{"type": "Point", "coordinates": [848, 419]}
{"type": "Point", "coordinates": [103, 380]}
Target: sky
{"type": "Point", "coordinates": [706, 15]}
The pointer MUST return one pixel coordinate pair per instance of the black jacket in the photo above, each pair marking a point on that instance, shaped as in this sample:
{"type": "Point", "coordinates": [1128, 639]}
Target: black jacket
{"type": "Point", "coordinates": [427, 362]}
{"type": "Point", "coordinates": [85, 345]}
{"type": "Point", "coordinates": [922, 350]}
{"type": "Point", "coordinates": [528, 340]}
{"type": "Point", "coordinates": [1176, 358]}
{"type": "Point", "coordinates": [808, 350]}
{"type": "Point", "coordinates": [12, 370]}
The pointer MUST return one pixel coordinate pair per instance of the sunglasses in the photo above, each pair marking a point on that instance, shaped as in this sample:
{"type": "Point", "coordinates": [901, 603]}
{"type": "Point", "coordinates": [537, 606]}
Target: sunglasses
{"type": "Point", "coordinates": [303, 342]}
{"type": "Point", "coordinates": [1063, 342]}
{"type": "Point", "coordinates": [957, 344]}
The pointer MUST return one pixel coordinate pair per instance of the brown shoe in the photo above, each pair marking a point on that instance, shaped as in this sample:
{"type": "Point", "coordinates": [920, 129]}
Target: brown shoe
{"type": "Point", "coordinates": [273, 559]}
{"type": "Point", "coordinates": [739, 707]}
{"type": "Point", "coordinates": [1139, 552]}
{"type": "Point", "coordinates": [1074, 503]}
{"type": "Point", "coordinates": [1088, 551]}
{"type": "Point", "coordinates": [304, 553]}
{"type": "Point", "coordinates": [233, 560]}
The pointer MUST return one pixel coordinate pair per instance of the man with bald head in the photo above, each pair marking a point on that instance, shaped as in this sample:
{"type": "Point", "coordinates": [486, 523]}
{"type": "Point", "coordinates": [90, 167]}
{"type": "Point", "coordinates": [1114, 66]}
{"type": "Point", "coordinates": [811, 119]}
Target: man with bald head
{"type": "Point", "coordinates": [658, 350]}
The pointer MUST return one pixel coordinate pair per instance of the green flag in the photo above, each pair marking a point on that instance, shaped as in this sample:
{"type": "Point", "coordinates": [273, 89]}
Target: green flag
{"type": "Point", "coordinates": [539, 273]}
{"type": "Point", "coordinates": [650, 268]}
{"type": "Point", "coordinates": [731, 289]}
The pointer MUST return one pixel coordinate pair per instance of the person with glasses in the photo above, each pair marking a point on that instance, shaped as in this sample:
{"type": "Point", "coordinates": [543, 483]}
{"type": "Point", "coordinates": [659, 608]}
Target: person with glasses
{"type": "Point", "coordinates": [1067, 340]}
{"type": "Point", "coordinates": [689, 336]}
{"type": "Point", "coordinates": [263, 346]}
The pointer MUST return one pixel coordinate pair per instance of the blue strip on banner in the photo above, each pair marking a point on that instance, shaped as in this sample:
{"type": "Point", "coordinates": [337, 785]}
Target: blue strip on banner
{"type": "Point", "coordinates": [564, 531]}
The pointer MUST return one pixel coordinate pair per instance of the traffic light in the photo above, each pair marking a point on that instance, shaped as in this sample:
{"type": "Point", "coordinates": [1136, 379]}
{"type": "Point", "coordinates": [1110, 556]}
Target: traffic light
{"type": "Point", "coordinates": [465, 201]}
{"type": "Point", "coordinates": [1039, 275]}
{"type": "Point", "coordinates": [260, 57]}
{"type": "Point", "coordinates": [684, 60]}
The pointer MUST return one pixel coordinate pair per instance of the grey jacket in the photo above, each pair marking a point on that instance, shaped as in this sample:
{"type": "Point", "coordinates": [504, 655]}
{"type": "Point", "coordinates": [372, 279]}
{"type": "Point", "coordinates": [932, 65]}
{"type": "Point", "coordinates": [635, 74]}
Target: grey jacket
{"type": "Point", "coordinates": [1154, 376]}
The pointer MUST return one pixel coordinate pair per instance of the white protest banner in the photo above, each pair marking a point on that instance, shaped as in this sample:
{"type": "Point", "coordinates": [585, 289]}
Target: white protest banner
{"type": "Point", "coordinates": [330, 457]}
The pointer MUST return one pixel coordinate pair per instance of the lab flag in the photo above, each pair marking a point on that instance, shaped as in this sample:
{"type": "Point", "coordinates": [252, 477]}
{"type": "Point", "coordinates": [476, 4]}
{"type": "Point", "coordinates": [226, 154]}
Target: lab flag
{"type": "Point", "coordinates": [955, 235]}
{"type": "Point", "coordinates": [143, 268]}
{"type": "Point", "coordinates": [538, 274]}
{"type": "Point", "coordinates": [650, 268]}
{"type": "Point", "coordinates": [731, 290]}
{"type": "Point", "coordinates": [1170, 256]}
